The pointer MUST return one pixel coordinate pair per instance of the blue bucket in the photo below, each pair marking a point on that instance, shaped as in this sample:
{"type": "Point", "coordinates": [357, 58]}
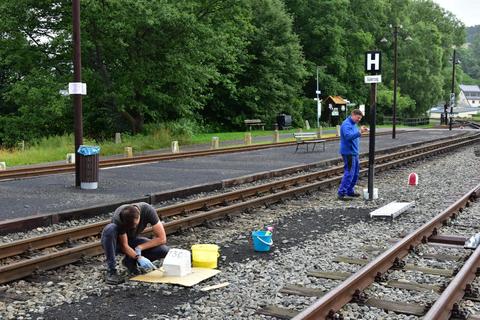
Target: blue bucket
{"type": "Point", "coordinates": [261, 240]}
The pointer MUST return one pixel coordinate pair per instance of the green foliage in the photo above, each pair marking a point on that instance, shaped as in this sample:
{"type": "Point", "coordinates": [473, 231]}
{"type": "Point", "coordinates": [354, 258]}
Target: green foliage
{"type": "Point", "coordinates": [185, 67]}
{"type": "Point", "coordinates": [270, 73]}
{"type": "Point", "coordinates": [470, 56]}
{"type": "Point", "coordinates": [405, 104]}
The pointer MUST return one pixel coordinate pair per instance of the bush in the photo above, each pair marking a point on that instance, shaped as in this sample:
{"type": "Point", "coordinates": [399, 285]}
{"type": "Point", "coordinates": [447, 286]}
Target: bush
{"type": "Point", "coordinates": [13, 130]}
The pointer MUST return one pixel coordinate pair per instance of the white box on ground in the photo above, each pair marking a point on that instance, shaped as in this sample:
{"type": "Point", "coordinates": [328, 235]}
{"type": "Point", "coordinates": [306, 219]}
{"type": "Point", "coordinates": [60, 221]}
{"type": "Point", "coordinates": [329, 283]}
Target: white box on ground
{"type": "Point", "coordinates": [366, 195]}
{"type": "Point", "coordinates": [393, 209]}
{"type": "Point", "coordinates": [177, 263]}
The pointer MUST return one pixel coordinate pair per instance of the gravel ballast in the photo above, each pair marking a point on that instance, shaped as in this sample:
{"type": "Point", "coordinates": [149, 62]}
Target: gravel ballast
{"type": "Point", "coordinates": [309, 233]}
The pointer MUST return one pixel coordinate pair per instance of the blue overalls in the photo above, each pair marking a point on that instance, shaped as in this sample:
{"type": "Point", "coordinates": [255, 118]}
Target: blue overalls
{"type": "Point", "coordinates": [349, 146]}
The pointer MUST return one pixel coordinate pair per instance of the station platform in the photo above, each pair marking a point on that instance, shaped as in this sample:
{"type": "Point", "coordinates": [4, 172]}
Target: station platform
{"type": "Point", "coordinates": [56, 193]}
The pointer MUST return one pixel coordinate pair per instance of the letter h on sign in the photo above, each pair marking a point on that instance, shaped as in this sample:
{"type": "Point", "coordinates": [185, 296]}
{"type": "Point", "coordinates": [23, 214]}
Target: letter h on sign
{"type": "Point", "coordinates": [373, 62]}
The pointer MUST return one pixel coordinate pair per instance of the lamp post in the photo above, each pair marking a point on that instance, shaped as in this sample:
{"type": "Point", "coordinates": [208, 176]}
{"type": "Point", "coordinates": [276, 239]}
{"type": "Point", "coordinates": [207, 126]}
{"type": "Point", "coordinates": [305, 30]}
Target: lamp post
{"type": "Point", "coordinates": [395, 69]}
{"type": "Point", "coordinates": [452, 94]}
{"type": "Point", "coordinates": [319, 104]}
{"type": "Point", "coordinates": [77, 78]}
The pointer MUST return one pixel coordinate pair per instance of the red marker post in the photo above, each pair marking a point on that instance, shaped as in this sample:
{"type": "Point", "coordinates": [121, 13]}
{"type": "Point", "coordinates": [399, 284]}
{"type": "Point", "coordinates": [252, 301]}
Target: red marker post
{"type": "Point", "coordinates": [413, 179]}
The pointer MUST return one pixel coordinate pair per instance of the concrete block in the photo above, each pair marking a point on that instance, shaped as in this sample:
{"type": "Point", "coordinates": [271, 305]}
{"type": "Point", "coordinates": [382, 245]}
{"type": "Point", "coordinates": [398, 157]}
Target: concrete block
{"type": "Point", "coordinates": [175, 147]}
{"type": "Point", "coordinates": [70, 158]}
{"type": "Point", "coordinates": [3, 166]}
{"type": "Point", "coordinates": [215, 143]}
{"type": "Point", "coordinates": [248, 138]}
{"type": "Point", "coordinates": [118, 138]}
{"type": "Point", "coordinates": [276, 136]}
{"type": "Point", "coordinates": [128, 152]}
{"type": "Point", "coordinates": [307, 125]}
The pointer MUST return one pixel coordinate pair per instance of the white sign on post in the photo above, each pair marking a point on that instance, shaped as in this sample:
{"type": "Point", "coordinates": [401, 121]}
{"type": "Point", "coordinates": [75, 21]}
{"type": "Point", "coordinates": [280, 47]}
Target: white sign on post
{"type": "Point", "coordinates": [362, 108]}
{"type": "Point", "coordinates": [77, 88]}
{"type": "Point", "coordinates": [373, 79]}
{"type": "Point", "coordinates": [373, 62]}
{"type": "Point", "coordinates": [452, 99]}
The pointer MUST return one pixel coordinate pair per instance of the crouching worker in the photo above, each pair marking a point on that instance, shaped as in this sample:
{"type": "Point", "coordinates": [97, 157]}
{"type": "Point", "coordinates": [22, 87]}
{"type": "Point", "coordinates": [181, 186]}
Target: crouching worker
{"type": "Point", "coordinates": [122, 236]}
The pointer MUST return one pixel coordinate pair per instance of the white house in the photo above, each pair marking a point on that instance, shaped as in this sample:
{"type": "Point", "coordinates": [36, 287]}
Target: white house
{"type": "Point", "coordinates": [458, 112]}
{"type": "Point", "coordinates": [469, 95]}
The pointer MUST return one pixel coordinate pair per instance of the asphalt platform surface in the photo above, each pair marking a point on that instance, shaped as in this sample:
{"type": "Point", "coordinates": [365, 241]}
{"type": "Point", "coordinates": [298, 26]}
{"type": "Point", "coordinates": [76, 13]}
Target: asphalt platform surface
{"type": "Point", "coordinates": [55, 193]}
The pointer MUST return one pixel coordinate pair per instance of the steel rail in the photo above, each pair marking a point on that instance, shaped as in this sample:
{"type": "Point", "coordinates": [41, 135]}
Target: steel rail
{"type": "Point", "coordinates": [334, 300]}
{"type": "Point", "coordinates": [72, 234]}
{"type": "Point", "coordinates": [442, 308]}
{"type": "Point", "coordinates": [65, 168]}
{"type": "Point", "coordinates": [21, 269]}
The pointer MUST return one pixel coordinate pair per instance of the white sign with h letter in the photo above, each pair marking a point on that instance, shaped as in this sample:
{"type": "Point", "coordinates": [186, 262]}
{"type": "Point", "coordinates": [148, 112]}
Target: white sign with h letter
{"type": "Point", "coordinates": [373, 62]}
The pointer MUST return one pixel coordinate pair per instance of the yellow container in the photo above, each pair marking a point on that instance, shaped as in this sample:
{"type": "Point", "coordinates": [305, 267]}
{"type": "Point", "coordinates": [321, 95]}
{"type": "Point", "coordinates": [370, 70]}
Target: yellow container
{"type": "Point", "coordinates": [205, 255]}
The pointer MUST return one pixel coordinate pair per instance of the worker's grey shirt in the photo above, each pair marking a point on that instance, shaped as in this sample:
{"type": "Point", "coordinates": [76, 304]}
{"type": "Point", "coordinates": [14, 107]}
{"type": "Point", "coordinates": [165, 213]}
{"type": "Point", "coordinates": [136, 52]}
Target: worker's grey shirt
{"type": "Point", "coordinates": [148, 215]}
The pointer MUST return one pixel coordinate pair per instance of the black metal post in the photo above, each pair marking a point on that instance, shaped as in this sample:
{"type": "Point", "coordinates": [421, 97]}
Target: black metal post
{"type": "Point", "coordinates": [371, 147]}
{"type": "Point", "coordinates": [445, 113]}
{"type": "Point", "coordinates": [395, 46]}
{"type": "Point", "coordinates": [452, 103]}
{"type": "Point", "coordinates": [77, 77]}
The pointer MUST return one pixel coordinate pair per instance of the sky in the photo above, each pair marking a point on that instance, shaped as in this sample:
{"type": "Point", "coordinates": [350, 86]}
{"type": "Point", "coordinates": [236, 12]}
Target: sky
{"type": "Point", "coordinates": [468, 11]}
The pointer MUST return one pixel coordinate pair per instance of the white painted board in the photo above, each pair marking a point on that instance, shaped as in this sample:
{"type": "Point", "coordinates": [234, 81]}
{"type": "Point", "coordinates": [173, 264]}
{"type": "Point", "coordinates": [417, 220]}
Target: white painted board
{"type": "Point", "coordinates": [393, 209]}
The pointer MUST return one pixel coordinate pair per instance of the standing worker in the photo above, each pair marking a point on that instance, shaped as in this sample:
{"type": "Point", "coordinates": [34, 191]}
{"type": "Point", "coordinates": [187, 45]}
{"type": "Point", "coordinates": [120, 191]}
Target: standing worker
{"type": "Point", "coordinates": [349, 149]}
{"type": "Point", "coordinates": [121, 236]}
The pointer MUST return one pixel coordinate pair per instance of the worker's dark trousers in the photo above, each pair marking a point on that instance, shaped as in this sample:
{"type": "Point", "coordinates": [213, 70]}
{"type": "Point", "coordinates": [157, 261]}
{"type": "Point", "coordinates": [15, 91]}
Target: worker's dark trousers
{"type": "Point", "coordinates": [351, 169]}
{"type": "Point", "coordinates": [110, 246]}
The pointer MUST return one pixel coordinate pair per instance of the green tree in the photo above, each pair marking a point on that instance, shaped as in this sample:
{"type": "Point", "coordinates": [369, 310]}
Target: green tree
{"type": "Point", "coordinates": [33, 69]}
{"type": "Point", "coordinates": [268, 69]}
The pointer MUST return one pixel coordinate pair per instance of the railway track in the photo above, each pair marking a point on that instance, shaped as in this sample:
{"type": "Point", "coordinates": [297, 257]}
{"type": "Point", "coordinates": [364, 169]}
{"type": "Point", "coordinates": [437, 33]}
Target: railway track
{"type": "Point", "coordinates": [65, 168]}
{"type": "Point", "coordinates": [352, 289]}
{"type": "Point", "coordinates": [25, 257]}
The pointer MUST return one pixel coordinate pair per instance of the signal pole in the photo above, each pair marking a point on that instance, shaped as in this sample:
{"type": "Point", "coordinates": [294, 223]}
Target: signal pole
{"type": "Point", "coordinates": [77, 78]}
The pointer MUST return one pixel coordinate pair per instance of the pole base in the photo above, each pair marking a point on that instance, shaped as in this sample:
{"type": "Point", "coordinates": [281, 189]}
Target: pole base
{"type": "Point", "coordinates": [366, 196]}
{"type": "Point", "coordinates": [89, 185]}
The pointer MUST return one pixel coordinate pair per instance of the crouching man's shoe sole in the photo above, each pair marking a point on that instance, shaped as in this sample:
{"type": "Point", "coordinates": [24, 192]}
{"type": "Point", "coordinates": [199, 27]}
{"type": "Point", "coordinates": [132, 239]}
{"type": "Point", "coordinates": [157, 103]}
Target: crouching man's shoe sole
{"type": "Point", "coordinates": [344, 198]}
{"type": "Point", "coordinates": [114, 278]}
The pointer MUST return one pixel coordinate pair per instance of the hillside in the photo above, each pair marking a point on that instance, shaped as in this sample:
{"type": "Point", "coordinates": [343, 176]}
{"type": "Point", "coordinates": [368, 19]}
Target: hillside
{"type": "Point", "coordinates": [471, 31]}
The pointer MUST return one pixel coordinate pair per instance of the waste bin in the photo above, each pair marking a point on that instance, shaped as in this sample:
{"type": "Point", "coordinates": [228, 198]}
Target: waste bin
{"type": "Point", "coordinates": [89, 163]}
{"type": "Point", "coordinates": [284, 121]}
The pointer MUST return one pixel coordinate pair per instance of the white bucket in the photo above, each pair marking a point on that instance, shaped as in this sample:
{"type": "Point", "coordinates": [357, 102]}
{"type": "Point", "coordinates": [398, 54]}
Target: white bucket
{"type": "Point", "coordinates": [366, 195]}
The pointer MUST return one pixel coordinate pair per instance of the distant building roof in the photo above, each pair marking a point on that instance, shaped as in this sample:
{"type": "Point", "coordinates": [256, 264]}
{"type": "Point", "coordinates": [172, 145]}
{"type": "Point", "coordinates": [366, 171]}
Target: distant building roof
{"type": "Point", "coordinates": [336, 99]}
{"type": "Point", "coordinates": [455, 109]}
{"type": "Point", "coordinates": [469, 88]}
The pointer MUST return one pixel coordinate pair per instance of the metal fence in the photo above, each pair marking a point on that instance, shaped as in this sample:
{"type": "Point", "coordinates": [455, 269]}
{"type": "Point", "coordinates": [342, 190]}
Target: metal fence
{"type": "Point", "coordinates": [407, 121]}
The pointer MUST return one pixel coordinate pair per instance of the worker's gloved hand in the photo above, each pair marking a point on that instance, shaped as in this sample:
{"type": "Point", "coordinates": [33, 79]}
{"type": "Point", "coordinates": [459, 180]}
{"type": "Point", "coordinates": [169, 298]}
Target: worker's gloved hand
{"type": "Point", "coordinates": [145, 264]}
{"type": "Point", "coordinates": [138, 251]}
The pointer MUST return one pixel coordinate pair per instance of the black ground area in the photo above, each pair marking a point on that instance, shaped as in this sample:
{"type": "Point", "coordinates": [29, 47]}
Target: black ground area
{"type": "Point", "coordinates": [147, 300]}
